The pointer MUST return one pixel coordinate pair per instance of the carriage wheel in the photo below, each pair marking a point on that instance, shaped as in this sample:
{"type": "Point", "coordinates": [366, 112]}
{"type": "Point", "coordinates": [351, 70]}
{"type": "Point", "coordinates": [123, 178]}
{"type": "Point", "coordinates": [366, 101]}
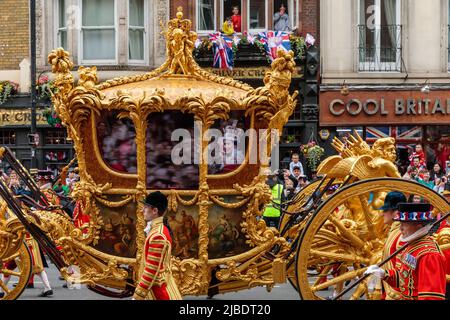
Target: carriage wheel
{"type": "Point", "coordinates": [300, 202]}
{"type": "Point", "coordinates": [18, 267]}
{"type": "Point", "coordinates": [339, 242]}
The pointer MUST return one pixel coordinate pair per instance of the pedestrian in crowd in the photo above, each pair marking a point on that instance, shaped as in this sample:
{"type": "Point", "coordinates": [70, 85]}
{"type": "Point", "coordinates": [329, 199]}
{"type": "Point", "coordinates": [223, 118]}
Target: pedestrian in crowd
{"type": "Point", "coordinates": [425, 179]}
{"type": "Point", "coordinates": [295, 162]}
{"type": "Point", "coordinates": [418, 153]}
{"type": "Point", "coordinates": [281, 20]}
{"type": "Point", "coordinates": [296, 172]}
{"type": "Point", "coordinates": [272, 211]}
{"type": "Point", "coordinates": [302, 182]}
{"type": "Point", "coordinates": [420, 270]}
{"type": "Point", "coordinates": [236, 19]}
{"type": "Point", "coordinates": [437, 172]}
{"type": "Point", "coordinates": [289, 190]}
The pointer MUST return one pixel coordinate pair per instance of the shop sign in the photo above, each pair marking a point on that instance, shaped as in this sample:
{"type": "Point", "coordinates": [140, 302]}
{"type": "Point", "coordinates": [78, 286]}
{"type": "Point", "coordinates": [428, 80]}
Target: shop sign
{"type": "Point", "coordinates": [363, 108]}
{"type": "Point", "coordinates": [20, 117]}
{"type": "Point", "coordinates": [248, 73]}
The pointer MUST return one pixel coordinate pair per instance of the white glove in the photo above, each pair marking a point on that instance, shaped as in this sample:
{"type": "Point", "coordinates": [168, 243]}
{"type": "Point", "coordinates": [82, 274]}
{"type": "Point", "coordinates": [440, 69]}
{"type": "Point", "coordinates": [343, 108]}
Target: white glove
{"type": "Point", "coordinates": [376, 271]}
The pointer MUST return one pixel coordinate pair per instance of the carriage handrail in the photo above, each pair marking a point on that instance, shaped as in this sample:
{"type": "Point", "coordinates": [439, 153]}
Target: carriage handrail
{"type": "Point", "coordinates": [382, 263]}
{"type": "Point", "coordinates": [47, 245]}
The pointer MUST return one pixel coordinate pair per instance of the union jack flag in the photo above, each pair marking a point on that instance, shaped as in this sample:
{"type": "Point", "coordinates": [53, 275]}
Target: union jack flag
{"type": "Point", "coordinates": [274, 40]}
{"type": "Point", "coordinates": [223, 51]}
{"type": "Point", "coordinates": [402, 134]}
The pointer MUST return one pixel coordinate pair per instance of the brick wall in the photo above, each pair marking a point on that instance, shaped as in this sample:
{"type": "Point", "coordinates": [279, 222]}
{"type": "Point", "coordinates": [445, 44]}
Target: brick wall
{"type": "Point", "coordinates": [14, 33]}
{"type": "Point", "coordinates": [309, 18]}
{"type": "Point", "coordinates": [187, 5]}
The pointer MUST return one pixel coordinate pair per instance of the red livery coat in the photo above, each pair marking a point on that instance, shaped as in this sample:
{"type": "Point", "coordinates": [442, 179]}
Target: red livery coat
{"type": "Point", "coordinates": [157, 282]}
{"type": "Point", "coordinates": [419, 272]}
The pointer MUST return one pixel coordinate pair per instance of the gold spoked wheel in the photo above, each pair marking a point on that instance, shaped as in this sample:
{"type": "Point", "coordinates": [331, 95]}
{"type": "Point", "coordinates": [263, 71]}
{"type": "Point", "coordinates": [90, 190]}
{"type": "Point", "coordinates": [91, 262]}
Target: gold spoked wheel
{"type": "Point", "coordinates": [346, 234]}
{"type": "Point", "coordinates": [299, 203]}
{"type": "Point", "coordinates": [18, 269]}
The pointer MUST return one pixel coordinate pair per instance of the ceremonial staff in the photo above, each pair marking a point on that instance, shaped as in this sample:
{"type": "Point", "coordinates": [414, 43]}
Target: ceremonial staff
{"type": "Point", "coordinates": [430, 232]}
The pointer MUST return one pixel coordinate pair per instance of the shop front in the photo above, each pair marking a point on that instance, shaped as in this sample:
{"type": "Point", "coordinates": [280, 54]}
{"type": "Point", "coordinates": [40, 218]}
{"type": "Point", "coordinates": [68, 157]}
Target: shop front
{"type": "Point", "coordinates": [410, 116]}
{"type": "Point", "coordinates": [54, 149]}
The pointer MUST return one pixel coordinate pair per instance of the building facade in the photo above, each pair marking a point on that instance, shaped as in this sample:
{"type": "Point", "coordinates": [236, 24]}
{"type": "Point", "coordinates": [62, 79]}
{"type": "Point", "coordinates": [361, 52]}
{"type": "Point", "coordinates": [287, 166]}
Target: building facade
{"type": "Point", "coordinates": [124, 38]}
{"type": "Point", "coordinates": [385, 72]}
{"type": "Point", "coordinates": [15, 107]}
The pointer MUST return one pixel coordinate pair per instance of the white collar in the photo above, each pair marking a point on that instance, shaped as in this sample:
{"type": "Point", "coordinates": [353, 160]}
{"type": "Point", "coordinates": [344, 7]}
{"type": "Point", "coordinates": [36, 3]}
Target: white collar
{"type": "Point", "coordinates": [416, 235]}
{"type": "Point", "coordinates": [148, 227]}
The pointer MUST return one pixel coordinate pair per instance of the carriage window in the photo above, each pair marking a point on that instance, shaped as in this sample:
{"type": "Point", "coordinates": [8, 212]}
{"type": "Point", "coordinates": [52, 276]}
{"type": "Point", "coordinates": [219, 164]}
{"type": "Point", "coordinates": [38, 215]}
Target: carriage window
{"type": "Point", "coordinates": [116, 139]}
{"type": "Point", "coordinates": [228, 143]}
{"type": "Point", "coordinates": [171, 158]}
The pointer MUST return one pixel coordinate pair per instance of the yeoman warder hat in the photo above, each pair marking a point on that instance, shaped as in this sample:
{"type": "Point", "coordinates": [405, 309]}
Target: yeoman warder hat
{"type": "Point", "coordinates": [415, 212]}
{"type": "Point", "coordinates": [157, 200]}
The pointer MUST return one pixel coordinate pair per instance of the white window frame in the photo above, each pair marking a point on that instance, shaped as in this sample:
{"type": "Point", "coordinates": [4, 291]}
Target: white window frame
{"type": "Point", "coordinates": [381, 65]}
{"type": "Point", "coordinates": [293, 7]}
{"type": "Point", "coordinates": [57, 27]}
{"type": "Point", "coordinates": [116, 32]}
{"type": "Point", "coordinates": [248, 18]}
{"type": "Point", "coordinates": [206, 32]}
{"type": "Point", "coordinates": [145, 28]}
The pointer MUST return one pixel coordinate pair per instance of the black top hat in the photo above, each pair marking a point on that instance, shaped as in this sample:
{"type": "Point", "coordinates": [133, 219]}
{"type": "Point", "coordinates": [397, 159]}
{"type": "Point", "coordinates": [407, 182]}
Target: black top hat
{"type": "Point", "coordinates": [415, 212]}
{"type": "Point", "coordinates": [157, 200]}
{"type": "Point", "coordinates": [392, 200]}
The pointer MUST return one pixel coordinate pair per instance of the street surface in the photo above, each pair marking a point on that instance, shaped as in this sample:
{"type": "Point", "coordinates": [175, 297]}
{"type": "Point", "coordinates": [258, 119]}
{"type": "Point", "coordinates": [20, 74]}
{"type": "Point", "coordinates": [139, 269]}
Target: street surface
{"type": "Point", "coordinates": [279, 292]}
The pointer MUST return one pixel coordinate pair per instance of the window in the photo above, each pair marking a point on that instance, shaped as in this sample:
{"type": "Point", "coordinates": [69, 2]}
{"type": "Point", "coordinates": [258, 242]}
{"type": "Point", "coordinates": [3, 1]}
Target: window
{"type": "Point", "coordinates": [62, 24]}
{"type": "Point", "coordinates": [55, 137]}
{"type": "Point", "coordinates": [206, 13]}
{"type": "Point", "coordinates": [379, 35]}
{"type": "Point", "coordinates": [98, 30]}
{"type": "Point", "coordinates": [137, 30]}
{"type": "Point", "coordinates": [257, 15]}
{"type": "Point", "coordinates": [227, 9]}
{"type": "Point", "coordinates": [7, 137]}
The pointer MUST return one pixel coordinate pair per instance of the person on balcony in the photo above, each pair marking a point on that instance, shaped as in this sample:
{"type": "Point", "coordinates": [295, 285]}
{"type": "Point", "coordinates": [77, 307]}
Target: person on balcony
{"type": "Point", "coordinates": [236, 19]}
{"type": "Point", "coordinates": [227, 27]}
{"type": "Point", "coordinates": [281, 20]}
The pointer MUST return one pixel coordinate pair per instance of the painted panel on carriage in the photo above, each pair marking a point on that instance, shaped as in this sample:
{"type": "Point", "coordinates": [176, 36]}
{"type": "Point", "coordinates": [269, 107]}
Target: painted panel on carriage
{"type": "Point", "coordinates": [225, 236]}
{"type": "Point", "coordinates": [162, 170]}
{"type": "Point", "coordinates": [118, 232]}
{"type": "Point", "coordinates": [116, 141]}
{"type": "Point", "coordinates": [184, 227]}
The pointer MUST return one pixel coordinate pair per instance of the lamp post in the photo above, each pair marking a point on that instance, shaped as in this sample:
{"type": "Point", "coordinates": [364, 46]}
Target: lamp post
{"type": "Point", "coordinates": [33, 81]}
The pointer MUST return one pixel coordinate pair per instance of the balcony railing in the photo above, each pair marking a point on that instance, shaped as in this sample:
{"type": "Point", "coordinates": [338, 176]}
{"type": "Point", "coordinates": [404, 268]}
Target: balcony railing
{"type": "Point", "coordinates": [380, 48]}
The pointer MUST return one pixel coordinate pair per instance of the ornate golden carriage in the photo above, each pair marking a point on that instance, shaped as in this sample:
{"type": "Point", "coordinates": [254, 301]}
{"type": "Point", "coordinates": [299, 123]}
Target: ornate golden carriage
{"type": "Point", "coordinates": [122, 134]}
